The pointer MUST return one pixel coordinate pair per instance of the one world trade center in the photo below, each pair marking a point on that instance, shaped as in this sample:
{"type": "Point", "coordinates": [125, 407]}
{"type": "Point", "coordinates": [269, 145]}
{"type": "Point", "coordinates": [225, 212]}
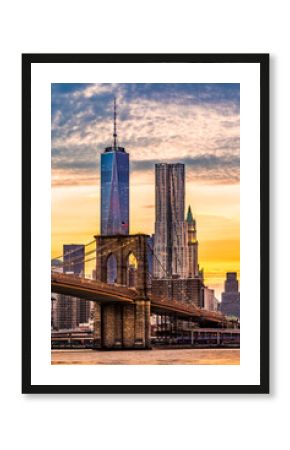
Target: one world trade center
{"type": "Point", "coordinates": [115, 187]}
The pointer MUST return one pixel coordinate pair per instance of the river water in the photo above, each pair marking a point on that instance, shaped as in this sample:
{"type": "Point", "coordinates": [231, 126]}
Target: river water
{"type": "Point", "coordinates": [153, 357]}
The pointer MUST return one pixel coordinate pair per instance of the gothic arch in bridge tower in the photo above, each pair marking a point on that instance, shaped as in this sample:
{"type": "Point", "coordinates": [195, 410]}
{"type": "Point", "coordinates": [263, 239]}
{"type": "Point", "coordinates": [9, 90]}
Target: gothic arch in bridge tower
{"type": "Point", "coordinates": [121, 246]}
{"type": "Point", "coordinates": [132, 267]}
{"type": "Point", "coordinates": [112, 269]}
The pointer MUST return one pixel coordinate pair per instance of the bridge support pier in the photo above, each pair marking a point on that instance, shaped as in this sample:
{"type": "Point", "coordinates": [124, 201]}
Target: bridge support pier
{"type": "Point", "coordinates": [122, 326]}
{"type": "Point", "coordinates": [97, 326]}
{"type": "Point", "coordinates": [147, 325]}
{"type": "Point", "coordinates": [128, 326]}
{"type": "Point", "coordinates": [139, 324]}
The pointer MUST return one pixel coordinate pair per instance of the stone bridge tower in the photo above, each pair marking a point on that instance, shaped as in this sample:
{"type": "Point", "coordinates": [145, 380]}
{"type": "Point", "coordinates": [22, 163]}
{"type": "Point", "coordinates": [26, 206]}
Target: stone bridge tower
{"type": "Point", "coordinates": [123, 326]}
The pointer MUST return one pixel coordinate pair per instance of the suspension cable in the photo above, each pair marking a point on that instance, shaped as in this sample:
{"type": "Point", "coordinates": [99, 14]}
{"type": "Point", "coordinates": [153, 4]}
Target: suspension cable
{"type": "Point", "coordinates": [82, 259]}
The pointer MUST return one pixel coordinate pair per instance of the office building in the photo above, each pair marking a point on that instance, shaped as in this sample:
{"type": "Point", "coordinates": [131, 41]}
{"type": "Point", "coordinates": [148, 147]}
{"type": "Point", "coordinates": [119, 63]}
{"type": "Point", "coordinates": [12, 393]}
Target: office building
{"type": "Point", "coordinates": [176, 272]}
{"type": "Point", "coordinates": [230, 305]}
{"type": "Point", "coordinates": [115, 187]}
{"type": "Point", "coordinates": [171, 241]}
{"type": "Point", "coordinates": [209, 299]}
{"type": "Point", "coordinates": [70, 312]}
{"type": "Point", "coordinates": [74, 259]}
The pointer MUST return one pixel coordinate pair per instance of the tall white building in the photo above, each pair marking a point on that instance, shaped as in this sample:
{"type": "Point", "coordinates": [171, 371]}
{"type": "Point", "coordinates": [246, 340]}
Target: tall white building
{"type": "Point", "coordinates": [171, 237]}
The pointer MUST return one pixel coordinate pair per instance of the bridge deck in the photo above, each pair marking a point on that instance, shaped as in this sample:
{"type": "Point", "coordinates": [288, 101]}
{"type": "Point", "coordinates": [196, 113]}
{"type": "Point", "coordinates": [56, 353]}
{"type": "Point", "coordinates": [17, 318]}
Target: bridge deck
{"type": "Point", "coordinates": [90, 289]}
{"type": "Point", "coordinates": [97, 291]}
{"type": "Point", "coordinates": [162, 305]}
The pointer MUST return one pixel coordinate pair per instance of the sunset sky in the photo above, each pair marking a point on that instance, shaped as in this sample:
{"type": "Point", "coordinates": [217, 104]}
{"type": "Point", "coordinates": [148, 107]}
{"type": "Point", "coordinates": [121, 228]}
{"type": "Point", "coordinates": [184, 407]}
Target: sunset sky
{"type": "Point", "coordinates": [195, 124]}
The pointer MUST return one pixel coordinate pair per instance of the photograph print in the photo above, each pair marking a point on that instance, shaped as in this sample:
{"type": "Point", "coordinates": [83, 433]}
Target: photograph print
{"type": "Point", "coordinates": [145, 223]}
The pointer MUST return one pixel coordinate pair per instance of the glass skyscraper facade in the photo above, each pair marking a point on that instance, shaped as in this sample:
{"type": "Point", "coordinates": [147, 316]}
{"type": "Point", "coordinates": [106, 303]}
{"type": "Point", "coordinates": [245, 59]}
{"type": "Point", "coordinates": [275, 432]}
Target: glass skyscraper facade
{"type": "Point", "coordinates": [114, 188]}
{"type": "Point", "coordinates": [114, 191]}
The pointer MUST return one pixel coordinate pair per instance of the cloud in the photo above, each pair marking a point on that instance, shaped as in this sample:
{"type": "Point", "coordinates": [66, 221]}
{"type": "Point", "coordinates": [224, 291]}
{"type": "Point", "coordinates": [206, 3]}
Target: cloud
{"type": "Point", "coordinates": [197, 122]}
{"type": "Point", "coordinates": [222, 168]}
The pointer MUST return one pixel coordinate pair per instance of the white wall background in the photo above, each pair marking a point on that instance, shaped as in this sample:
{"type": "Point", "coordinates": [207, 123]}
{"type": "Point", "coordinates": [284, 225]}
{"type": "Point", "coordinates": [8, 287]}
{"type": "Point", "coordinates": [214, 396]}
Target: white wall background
{"type": "Point", "coordinates": [132, 422]}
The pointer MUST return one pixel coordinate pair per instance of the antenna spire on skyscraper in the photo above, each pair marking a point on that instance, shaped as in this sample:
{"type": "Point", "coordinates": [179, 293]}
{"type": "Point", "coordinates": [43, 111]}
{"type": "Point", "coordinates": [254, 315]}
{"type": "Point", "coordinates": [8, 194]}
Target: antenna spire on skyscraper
{"type": "Point", "coordinates": [115, 124]}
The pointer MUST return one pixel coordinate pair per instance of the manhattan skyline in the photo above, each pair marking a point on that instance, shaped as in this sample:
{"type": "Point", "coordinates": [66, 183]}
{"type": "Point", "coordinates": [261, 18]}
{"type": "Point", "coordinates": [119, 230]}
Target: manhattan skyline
{"type": "Point", "coordinates": [197, 125]}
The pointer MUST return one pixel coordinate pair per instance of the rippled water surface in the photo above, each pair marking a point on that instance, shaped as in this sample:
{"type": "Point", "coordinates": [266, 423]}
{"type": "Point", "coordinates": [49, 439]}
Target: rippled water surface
{"type": "Point", "coordinates": [154, 357]}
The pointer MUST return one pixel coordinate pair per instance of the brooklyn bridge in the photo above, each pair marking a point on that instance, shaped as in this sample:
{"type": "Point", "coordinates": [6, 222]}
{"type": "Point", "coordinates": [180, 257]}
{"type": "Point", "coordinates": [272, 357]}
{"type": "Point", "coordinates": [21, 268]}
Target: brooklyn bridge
{"type": "Point", "coordinates": [122, 312]}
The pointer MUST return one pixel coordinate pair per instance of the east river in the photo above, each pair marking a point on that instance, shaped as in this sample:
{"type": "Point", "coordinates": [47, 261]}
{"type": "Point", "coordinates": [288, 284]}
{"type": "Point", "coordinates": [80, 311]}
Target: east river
{"type": "Point", "coordinates": [153, 357]}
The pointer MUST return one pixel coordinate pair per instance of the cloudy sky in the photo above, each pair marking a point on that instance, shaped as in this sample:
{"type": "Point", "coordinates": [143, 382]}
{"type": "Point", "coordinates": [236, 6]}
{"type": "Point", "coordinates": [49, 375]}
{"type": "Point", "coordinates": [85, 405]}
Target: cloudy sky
{"type": "Point", "coordinates": [197, 124]}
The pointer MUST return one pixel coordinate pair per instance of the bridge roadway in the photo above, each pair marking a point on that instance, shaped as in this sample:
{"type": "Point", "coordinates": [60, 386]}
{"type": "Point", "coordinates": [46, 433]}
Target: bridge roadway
{"type": "Point", "coordinates": [92, 290]}
{"type": "Point", "coordinates": [97, 291]}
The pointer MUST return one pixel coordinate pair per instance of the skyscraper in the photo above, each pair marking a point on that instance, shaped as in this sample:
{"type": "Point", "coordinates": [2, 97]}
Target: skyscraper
{"type": "Point", "coordinates": [193, 269]}
{"type": "Point", "coordinates": [176, 273]}
{"type": "Point", "coordinates": [230, 305]}
{"type": "Point", "coordinates": [70, 312]}
{"type": "Point", "coordinates": [171, 240]}
{"type": "Point", "coordinates": [210, 301]}
{"type": "Point", "coordinates": [73, 258]}
{"type": "Point", "coordinates": [115, 187]}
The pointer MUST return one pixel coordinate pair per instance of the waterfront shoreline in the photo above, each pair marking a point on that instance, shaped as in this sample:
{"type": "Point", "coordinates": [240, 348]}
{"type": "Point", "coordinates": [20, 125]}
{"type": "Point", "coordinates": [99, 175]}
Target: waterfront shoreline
{"type": "Point", "coordinates": [141, 357]}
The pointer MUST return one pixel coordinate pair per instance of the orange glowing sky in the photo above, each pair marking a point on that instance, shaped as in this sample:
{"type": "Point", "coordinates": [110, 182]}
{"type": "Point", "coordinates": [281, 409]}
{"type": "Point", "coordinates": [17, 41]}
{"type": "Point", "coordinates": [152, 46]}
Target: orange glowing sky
{"type": "Point", "coordinates": [194, 124]}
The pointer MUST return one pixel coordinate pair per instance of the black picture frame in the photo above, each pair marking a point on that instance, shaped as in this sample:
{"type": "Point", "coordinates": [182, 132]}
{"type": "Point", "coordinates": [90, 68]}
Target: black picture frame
{"type": "Point", "coordinates": [27, 61]}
